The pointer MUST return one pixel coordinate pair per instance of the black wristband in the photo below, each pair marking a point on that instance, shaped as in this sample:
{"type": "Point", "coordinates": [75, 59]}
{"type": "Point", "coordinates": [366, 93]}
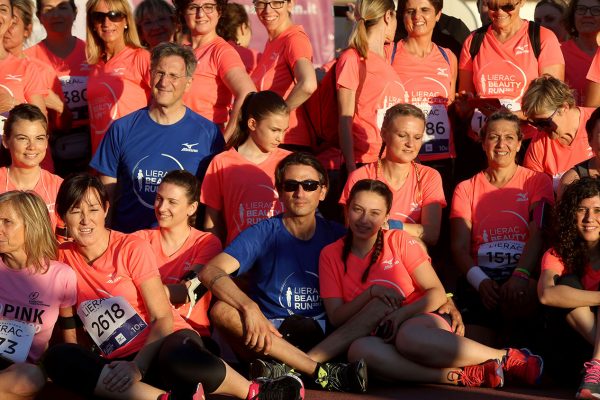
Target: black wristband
{"type": "Point", "coordinates": [67, 322]}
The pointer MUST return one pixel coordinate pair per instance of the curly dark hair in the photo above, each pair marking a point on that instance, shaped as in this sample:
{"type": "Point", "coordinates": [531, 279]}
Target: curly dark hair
{"type": "Point", "coordinates": [568, 245]}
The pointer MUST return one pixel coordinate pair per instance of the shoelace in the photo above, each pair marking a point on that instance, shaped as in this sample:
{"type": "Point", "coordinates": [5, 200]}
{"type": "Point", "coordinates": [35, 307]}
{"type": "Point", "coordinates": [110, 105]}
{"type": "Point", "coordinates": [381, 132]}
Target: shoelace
{"type": "Point", "coordinates": [516, 365]}
{"type": "Point", "coordinates": [333, 377]}
{"type": "Point", "coordinates": [592, 372]}
{"type": "Point", "coordinates": [471, 376]}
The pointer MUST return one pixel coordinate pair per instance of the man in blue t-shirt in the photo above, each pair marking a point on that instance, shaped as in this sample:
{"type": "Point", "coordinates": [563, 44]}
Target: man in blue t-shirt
{"type": "Point", "coordinates": [140, 148]}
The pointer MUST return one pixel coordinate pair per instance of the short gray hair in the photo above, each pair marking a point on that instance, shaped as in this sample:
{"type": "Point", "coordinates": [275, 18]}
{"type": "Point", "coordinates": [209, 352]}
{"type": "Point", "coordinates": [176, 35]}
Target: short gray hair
{"type": "Point", "coordinates": [167, 49]}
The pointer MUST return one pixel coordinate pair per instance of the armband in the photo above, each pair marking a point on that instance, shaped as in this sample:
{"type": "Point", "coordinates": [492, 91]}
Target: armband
{"type": "Point", "coordinates": [521, 275]}
{"type": "Point", "coordinates": [67, 322]}
{"type": "Point", "coordinates": [475, 276]}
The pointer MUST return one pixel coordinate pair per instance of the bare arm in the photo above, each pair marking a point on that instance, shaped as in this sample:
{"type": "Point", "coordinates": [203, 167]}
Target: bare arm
{"type": "Point", "coordinates": [460, 231]}
{"type": "Point", "coordinates": [563, 296]}
{"type": "Point", "coordinates": [306, 83]}
{"type": "Point", "coordinates": [214, 222]}
{"type": "Point", "coordinates": [592, 95]}
{"type": "Point", "coordinates": [556, 70]}
{"type": "Point", "coordinates": [569, 177]}
{"type": "Point", "coordinates": [465, 81]}
{"type": "Point", "coordinates": [429, 228]}
{"type": "Point", "coordinates": [346, 107]}
{"type": "Point", "coordinates": [239, 84]}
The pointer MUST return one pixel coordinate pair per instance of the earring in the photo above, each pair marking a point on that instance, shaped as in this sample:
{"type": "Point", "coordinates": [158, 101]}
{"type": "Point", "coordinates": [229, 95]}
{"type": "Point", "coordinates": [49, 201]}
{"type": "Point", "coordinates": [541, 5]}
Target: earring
{"type": "Point", "coordinates": [126, 27]}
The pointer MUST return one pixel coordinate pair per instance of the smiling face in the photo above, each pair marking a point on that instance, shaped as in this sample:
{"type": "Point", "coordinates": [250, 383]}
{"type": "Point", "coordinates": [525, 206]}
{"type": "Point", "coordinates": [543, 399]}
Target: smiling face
{"type": "Point", "coordinates": [300, 203]}
{"type": "Point", "coordinates": [274, 20]}
{"type": "Point", "coordinates": [420, 18]}
{"type": "Point", "coordinates": [169, 82]}
{"type": "Point", "coordinates": [268, 132]}
{"type": "Point", "coordinates": [587, 23]}
{"type": "Point", "coordinates": [57, 16]}
{"type": "Point", "coordinates": [588, 220]}
{"type": "Point", "coordinates": [201, 17]}
{"type": "Point", "coordinates": [27, 143]}
{"type": "Point", "coordinates": [501, 143]}
{"type": "Point", "coordinates": [504, 18]}
{"type": "Point", "coordinates": [111, 32]}
{"type": "Point", "coordinates": [172, 206]}
{"type": "Point", "coordinates": [367, 212]}
{"type": "Point", "coordinates": [156, 27]}
{"type": "Point", "coordinates": [86, 221]}
{"type": "Point", "coordinates": [403, 139]}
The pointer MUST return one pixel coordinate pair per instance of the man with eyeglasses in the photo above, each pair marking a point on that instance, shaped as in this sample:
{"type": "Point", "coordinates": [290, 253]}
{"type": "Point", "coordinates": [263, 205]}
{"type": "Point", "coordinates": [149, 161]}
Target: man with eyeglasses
{"type": "Point", "coordinates": [140, 148]}
{"type": "Point", "coordinates": [277, 260]}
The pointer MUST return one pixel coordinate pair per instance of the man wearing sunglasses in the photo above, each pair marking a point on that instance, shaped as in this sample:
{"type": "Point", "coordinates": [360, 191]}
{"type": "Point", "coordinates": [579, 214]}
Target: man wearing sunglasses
{"type": "Point", "coordinates": [140, 148]}
{"type": "Point", "coordinates": [278, 261]}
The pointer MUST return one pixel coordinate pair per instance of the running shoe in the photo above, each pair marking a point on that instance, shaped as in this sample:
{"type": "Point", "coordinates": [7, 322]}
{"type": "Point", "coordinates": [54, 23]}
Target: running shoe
{"type": "Point", "coordinates": [199, 395]}
{"type": "Point", "coordinates": [486, 374]}
{"type": "Point", "coordinates": [522, 366]}
{"type": "Point", "coordinates": [286, 387]}
{"type": "Point", "coordinates": [590, 385]}
{"type": "Point", "coordinates": [268, 369]}
{"type": "Point", "coordinates": [343, 377]}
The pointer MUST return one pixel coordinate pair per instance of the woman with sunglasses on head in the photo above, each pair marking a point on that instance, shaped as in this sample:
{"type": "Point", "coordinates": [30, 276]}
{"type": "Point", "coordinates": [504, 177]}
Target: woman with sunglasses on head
{"type": "Point", "coordinates": [367, 85]}
{"type": "Point", "coordinates": [239, 186]}
{"type": "Point", "coordinates": [119, 80]}
{"type": "Point", "coordinates": [589, 167]}
{"type": "Point", "coordinates": [36, 292]}
{"type": "Point", "coordinates": [178, 246]}
{"type": "Point", "coordinates": [144, 347]}
{"type": "Point", "coordinates": [583, 24]}
{"type": "Point", "coordinates": [285, 67]}
{"type": "Point", "coordinates": [561, 141]}
{"type": "Point", "coordinates": [505, 62]}
{"type": "Point", "coordinates": [417, 189]}
{"type": "Point", "coordinates": [496, 228]}
{"type": "Point", "coordinates": [234, 26]}
{"type": "Point", "coordinates": [156, 22]}
{"type": "Point", "coordinates": [372, 268]}
{"type": "Point", "coordinates": [221, 74]}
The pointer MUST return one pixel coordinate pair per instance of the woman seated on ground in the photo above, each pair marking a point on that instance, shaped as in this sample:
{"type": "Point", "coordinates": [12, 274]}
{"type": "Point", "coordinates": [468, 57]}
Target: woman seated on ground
{"type": "Point", "coordinates": [589, 167]}
{"type": "Point", "coordinates": [28, 251]}
{"type": "Point", "coordinates": [390, 268]}
{"type": "Point", "coordinates": [418, 192]}
{"type": "Point", "coordinates": [146, 347]}
{"type": "Point", "coordinates": [496, 236]}
{"type": "Point", "coordinates": [178, 246]}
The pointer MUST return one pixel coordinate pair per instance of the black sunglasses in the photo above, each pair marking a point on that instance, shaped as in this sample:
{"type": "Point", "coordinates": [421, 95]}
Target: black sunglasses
{"type": "Point", "coordinates": [98, 17]}
{"type": "Point", "coordinates": [544, 124]}
{"type": "Point", "coordinates": [510, 7]}
{"type": "Point", "coordinates": [308, 185]}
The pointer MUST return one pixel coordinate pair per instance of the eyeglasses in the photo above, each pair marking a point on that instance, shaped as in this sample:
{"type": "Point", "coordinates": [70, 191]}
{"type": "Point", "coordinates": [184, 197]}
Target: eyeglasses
{"type": "Point", "coordinates": [99, 17]}
{"type": "Point", "coordinates": [167, 77]}
{"type": "Point", "coordinates": [544, 124]}
{"type": "Point", "coordinates": [510, 7]}
{"type": "Point", "coordinates": [309, 185]}
{"type": "Point", "coordinates": [194, 9]}
{"type": "Point", "coordinates": [275, 5]}
{"type": "Point", "coordinates": [582, 10]}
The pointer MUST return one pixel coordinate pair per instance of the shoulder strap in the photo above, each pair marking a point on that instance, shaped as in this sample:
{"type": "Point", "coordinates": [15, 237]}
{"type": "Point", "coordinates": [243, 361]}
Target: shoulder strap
{"type": "Point", "coordinates": [444, 54]}
{"type": "Point", "coordinates": [478, 36]}
{"type": "Point", "coordinates": [534, 37]}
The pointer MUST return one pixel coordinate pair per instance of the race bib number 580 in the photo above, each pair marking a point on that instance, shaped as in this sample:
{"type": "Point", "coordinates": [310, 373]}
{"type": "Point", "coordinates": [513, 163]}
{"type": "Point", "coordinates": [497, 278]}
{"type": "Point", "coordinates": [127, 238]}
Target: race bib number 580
{"type": "Point", "coordinates": [111, 322]}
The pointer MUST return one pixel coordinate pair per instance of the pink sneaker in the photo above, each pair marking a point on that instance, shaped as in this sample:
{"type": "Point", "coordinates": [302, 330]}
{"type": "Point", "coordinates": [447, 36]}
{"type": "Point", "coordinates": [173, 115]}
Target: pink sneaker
{"type": "Point", "coordinates": [590, 384]}
{"type": "Point", "coordinates": [487, 374]}
{"type": "Point", "coordinates": [199, 395]}
{"type": "Point", "coordinates": [523, 366]}
{"type": "Point", "coordinates": [286, 387]}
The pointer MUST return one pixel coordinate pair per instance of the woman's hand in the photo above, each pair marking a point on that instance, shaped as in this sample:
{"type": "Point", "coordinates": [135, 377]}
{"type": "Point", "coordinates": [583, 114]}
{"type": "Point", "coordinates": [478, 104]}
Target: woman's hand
{"type": "Point", "coordinates": [449, 308]}
{"type": "Point", "coordinates": [121, 375]}
{"type": "Point", "coordinates": [389, 296]}
{"type": "Point", "coordinates": [490, 293]}
{"type": "Point", "coordinates": [388, 327]}
{"type": "Point", "coordinates": [514, 291]}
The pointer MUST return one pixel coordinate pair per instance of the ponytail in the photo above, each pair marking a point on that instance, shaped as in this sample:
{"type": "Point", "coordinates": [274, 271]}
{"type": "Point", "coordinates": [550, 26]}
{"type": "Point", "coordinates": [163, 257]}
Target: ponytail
{"type": "Point", "coordinates": [369, 14]}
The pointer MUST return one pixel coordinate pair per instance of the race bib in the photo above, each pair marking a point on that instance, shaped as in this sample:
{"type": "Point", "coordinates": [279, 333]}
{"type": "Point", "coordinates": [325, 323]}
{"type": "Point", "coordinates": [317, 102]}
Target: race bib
{"type": "Point", "coordinates": [498, 259]}
{"type": "Point", "coordinates": [437, 129]}
{"type": "Point", "coordinates": [111, 322]}
{"type": "Point", "coordinates": [75, 92]}
{"type": "Point", "coordinates": [15, 339]}
{"type": "Point", "coordinates": [479, 118]}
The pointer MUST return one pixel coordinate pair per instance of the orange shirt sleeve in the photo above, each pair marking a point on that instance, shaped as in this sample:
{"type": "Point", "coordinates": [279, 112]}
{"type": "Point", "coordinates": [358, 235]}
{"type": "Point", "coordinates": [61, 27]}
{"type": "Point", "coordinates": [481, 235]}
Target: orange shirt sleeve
{"type": "Point", "coordinates": [465, 62]}
{"type": "Point", "coordinates": [412, 252]}
{"type": "Point", "coordinates": [551, 261]}
{"type": "Point", "coordinates": [212, 191]}
{"type": "Point", "coordinates": [138, 257]}
{"type": "Point", "coordinates": [462, 202]}
{"type": "Point", "coordinates": [330, 268]}
{"type": "Point", "coordinates": [226, 59]}
{"type": "Point", "coordinates": [594, 71]}
{"type": "Point", "coordinates": [298, 47]}
{"type": "Point", "coordinates": [347, 70]}
{"type": "Point", "coordinates": [433, 190]}
{"type": "Point", "coordinates": [550, 53]}
{"type": "Point", "coordinates": [541, 188]}
{"type": "Point", "coordinates": [142, 66]}
{"type": "Point", "coordinates": [535, 154]}
{"type": "Point", "coordinates": [354, 177]}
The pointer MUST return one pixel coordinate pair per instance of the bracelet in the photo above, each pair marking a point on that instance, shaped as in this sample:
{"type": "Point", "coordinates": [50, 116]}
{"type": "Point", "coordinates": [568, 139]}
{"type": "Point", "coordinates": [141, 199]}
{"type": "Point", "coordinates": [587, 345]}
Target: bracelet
{"type": "Point", "coordinates": [475, 276]}
{"type": "Point", "coordinates": [523, 270]}
{"type": "Point", "coordinates": [520, 275]}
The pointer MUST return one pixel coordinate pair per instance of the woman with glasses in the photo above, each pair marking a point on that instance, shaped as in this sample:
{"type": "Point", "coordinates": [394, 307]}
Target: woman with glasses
{"type": "Point", "coordinates": [239, 186]}
{"type": "Point", "coordinates": [504, 63]}
{"type": "Point", "coordinates": [119, 80]}
{"type": "Point", "coordinates": [286, 68]}
{"type": "Point", "coordinates": [417, 189]}
{"type": "Point", "coordinates": [156, 22]}
{"type": "Point", "coordinates": [561, 141]}
{"type": "Point", "coordinates": [496, 228]}
{"type": "Point", "coordinates": [221, 74]}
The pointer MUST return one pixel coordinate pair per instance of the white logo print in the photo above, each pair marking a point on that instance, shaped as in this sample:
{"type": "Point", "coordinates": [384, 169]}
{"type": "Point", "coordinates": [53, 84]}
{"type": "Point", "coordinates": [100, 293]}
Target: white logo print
{"type": "Point", "coordinates": [188, 147]}
{"type": "Point", "coordinates": [11, 77]}
{"type": "Point", "coordinates": [442, 71]}
{"type": "Point", "coordinates": [389, 264]}
{"type": "Point", "coordinates": [523, 49]}
{"type": "Point", "coordinates": [522, 197]}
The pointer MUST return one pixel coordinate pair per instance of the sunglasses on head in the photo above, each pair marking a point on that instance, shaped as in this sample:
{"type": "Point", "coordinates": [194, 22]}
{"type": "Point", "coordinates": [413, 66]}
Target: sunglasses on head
{"type": "Point", "coordinates": [98, 17]}
{"type": "Point", "coordinates": [308, 185]}
{"type": "Point", "coordinates": [544, 124]}
{"type": "Point", "coordinates": [509, 7]}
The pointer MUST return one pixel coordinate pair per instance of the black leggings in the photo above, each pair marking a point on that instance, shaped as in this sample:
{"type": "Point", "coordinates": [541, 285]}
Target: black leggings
{"type": "Point", "coordinates": [181, 362]}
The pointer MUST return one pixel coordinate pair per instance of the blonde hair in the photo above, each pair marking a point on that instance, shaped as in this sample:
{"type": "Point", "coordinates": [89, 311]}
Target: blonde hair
{"type": "Point", "coordinates": [94, 47]}
{"type": "Point", "coordinates": [40, 244]}
{"type": "Point", "coordinates": [369, 12]}
{"type": "Point", "coordinates": [546, 94]}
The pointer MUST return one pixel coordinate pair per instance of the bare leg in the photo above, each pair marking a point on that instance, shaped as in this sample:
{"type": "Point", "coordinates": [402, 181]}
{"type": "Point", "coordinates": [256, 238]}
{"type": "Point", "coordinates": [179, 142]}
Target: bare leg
{"type": "Point", "coordinates": [385, 362]}
{"type": "Point", "coordinates": [596, 354]}
{"type": "Point", "coordinates": [583, 320]}
{"type": "Point", "coordinates": [424, 339]}
{"type": "Point", "coordinates": [21, 382]}
{"type": "Point", "coordinates": [234, 384]}
{"type": "Point", "coordinates": [137, 391]}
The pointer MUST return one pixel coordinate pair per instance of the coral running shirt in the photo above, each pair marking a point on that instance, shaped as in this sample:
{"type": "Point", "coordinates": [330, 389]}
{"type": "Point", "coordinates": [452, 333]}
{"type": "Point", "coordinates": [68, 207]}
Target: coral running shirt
{"type": "Point", "coordinates": [400, 255]}
{"type": "Point", "coordinates": [577, 65]}
{"type": "Point", "coordinates": [116, 88]}
{"type": "Point", "coordinates": [552, 262]}
{"type": "Point", "coordinates": [127, 262]}
{"type": "Point", "coordinates": [19, 78]}
{"type": "Point", "coordinates": [499, 217]}
{"type": "Point", "coordinates": [249, 56]}
{"type": "Point", "coordinates": [554, 158]}
{"type": "Point", "coordinates": [428, 83]}
{"type": "Point", "coordinates": [505, 70]}
{"type": "Point", "coordinates": [410, 199]}
{"type": "Point", "coordinates": [199, 248]}
{"type": "Point", "coordinates": [72, 72]}
{"type": "Point", "coordinates": [381, 88]}
{"type": "Point", "coordinates": [274, 72]}
{"type": "Point", "coordinates": [242, 191]}
{"type": "Point", "coordinates": [208, 95]}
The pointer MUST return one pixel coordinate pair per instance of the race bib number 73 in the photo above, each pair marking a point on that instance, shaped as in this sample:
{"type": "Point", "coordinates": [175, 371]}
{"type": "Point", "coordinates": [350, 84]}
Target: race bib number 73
{"type": "Point", "coordinates": [16, 338]}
